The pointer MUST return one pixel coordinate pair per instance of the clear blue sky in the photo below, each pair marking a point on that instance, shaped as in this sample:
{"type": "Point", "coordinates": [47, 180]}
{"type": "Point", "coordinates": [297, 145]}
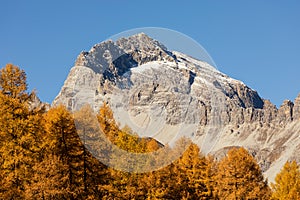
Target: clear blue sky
{"type": "Point", "coordinates": [253, 41]}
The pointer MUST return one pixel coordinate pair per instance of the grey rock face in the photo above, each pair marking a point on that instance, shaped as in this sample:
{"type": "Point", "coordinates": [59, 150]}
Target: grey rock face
{"type": "Point", "coordinates": [167, 95]}
{"type": "Point", "coordinates": [285, 112]}
{"type": "Point", "coordinates": [36, 104]}
{"type": "Point", "coordinates": [296, 108]}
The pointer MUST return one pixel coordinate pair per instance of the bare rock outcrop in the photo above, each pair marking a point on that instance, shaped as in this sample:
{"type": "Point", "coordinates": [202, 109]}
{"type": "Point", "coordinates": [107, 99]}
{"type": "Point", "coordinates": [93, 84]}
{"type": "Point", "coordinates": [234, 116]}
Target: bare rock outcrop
{"type": "Point", "coordinates": [285, 112]}
{"type": "Point", "coordinates": [296, 108]}
{"type": "Point", "coordinates": [167, 95]}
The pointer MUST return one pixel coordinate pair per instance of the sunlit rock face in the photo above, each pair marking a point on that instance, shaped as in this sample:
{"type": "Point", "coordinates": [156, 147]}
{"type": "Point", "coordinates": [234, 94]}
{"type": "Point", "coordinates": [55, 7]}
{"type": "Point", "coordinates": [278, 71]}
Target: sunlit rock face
{"type": "Point", "coordinates": [166, 95]}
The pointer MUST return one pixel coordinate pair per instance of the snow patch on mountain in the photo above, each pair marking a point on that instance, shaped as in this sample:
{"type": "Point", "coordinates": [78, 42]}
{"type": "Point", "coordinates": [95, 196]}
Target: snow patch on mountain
{"type": "Point", "coordinates": [167, 95]}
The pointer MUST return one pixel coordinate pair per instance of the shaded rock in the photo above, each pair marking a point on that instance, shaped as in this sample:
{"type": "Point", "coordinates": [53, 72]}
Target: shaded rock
{"type": "Point", "coordinates": [169, 95]}
{"type": "Point", "coordinates": [285, 112]}
{"type": "Point", "coordinates": [249, 97]}
{"type": "Point", "coordinates": [296, 109]}
{"type": "Point", "coordinates": [269, 112]}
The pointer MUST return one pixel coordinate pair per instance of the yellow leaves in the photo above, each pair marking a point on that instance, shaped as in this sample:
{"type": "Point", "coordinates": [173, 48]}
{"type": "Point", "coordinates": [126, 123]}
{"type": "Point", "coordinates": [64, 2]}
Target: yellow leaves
{"type": "Point", "coordinates": [18, 134]}
{"type": "Point", "coordinates": [191, 173]}
{"type": "Point", "coordinates": [239, 177]}
{"type": "Point", "coordinates": [42, 157]}
{"type": "Point", "coordinates": [50, 180]}
{"type": "Point", "coordinates": [59, 125]}
{"type": "Point", "coordinates": [59, 116]}
{"type": "Point", "coordinates": [125, 138]}
{"type": "Point", "coordinates": [13, 81]}
{"type": "Point", "coordinates": [287, 182]}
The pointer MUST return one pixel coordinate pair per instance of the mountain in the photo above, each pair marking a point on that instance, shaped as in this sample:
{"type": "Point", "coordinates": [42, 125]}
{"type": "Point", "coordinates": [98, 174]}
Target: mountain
{"type": "Point", "coordinates": [167, 95]}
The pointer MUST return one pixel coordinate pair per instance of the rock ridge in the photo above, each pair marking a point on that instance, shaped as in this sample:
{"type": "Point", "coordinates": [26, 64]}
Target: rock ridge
{"type": "Point", "coordinates": [165, 91]}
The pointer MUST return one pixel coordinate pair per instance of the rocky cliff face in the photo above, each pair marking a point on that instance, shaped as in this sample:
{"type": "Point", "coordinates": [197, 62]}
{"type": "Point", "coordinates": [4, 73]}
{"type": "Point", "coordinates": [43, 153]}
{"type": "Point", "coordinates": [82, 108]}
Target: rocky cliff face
{"type": "Point", "coordinates": [36, 104]}
{"type": "Point", "coordinates": [167, 95]}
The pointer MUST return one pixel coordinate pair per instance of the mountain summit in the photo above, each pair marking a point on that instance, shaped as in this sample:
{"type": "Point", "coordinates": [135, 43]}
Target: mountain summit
{"type": "Point", "coordinates": [166, 95]}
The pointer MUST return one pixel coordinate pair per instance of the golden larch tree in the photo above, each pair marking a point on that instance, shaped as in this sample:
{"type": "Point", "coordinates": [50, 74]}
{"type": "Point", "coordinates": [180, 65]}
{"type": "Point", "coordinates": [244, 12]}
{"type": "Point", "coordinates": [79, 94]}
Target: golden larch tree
{"type": "Point", "coordinates": [64, 142]}
{"type": "Point", "coordinates": [287, 182]}
{"type": "Point", "coordinates": [240, 177]}
{"type": "Point", "coordinates": [19, 134]}
{"type": "Point", "coordinates": [13, 81]}
{"type": "Point", "coordinates": [50, 180]}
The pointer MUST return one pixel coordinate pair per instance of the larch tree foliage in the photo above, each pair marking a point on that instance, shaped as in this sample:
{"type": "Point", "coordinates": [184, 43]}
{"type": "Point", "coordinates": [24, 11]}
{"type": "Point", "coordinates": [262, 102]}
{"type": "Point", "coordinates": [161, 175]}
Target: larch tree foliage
{"type": "Point", "coordinates": [64, 142]}
{"type": "Point", "coordinates": [124, 138]}
{"type": "Point", "coordinates": [15, 166]}
{"type": "Point", "coordinates": [50, 180]}
{"type": "Point", "coordinates": [95, 174]}
{"type": "Point", "coordinates": [13, 82]}
{"type": "Point", "coordinates": [18, 134]}
{"type": "Point", "coordinates": [122, 184]}
{"type": "Point", "coordinates": [107, 123]}
{"type": "Point", "coordinates": [191, 172]}
{"type": "Point", "coordinates": [210, 181]}
{"type": "Point", "coordinates": [287, 182]}
{"type": "Point", "coordinates": [240, 177]}
{"type": "Point", "coordinates": [44, 156]}
{"type": "Point", "coordinates": [125, 185]}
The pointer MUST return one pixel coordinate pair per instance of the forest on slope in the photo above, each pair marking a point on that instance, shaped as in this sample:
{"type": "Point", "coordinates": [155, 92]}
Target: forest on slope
{"type": "Point", "coordinates": [43, 157]}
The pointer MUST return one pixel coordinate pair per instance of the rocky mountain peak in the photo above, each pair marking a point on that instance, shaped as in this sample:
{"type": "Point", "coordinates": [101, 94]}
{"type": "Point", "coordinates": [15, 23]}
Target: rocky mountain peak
{"type": "Point", "coordinates": [165, 94]}
{"type": "Point", "coordinates": [113, 59]}
{"type": "Point", "coordinates": [140, 42]}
